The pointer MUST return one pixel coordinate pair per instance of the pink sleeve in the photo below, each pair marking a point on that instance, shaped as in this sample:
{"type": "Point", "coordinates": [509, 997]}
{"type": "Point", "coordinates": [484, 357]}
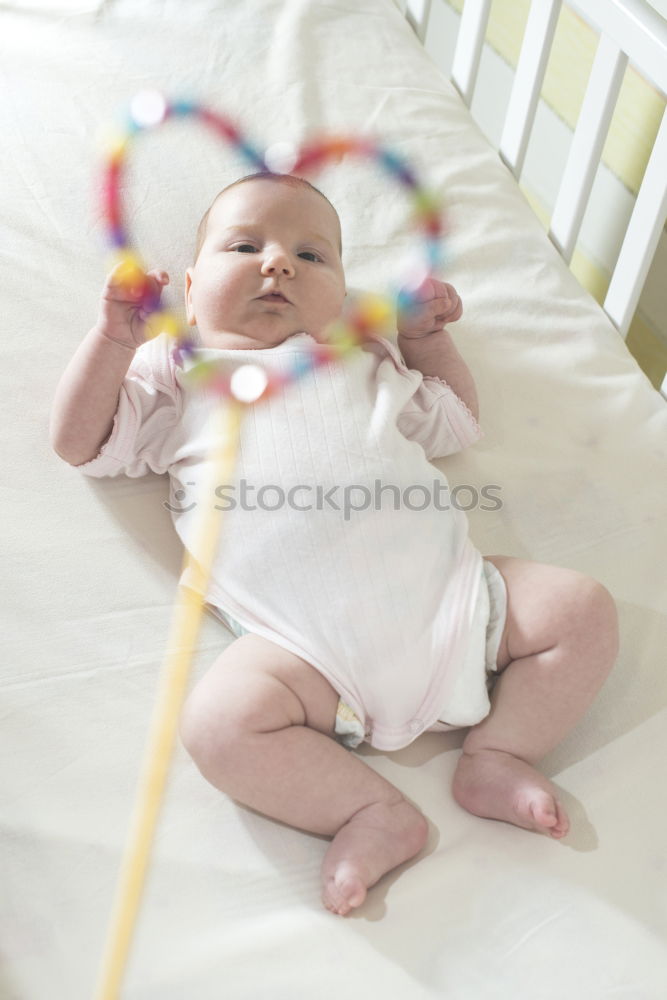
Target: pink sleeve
{"type": "Point", "coordinates": [145, 425]}
{"type": "Point", "coordinates": [434, 415]}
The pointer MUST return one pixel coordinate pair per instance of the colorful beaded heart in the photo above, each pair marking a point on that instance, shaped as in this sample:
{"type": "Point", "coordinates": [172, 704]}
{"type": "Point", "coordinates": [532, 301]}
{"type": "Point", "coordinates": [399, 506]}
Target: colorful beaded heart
{"type": "Point", "coordinates": [368, 316]}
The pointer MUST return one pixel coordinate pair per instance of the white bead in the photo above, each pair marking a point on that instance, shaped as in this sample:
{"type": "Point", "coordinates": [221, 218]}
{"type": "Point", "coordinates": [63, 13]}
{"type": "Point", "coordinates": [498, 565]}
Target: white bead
{"type": "Point", "coordinates": [280, 157]}
{"type": "Point", "coordinates": [148, 108]}
{"type": "Point", "coordinates": [412, 272]}
{"type": "Point", "coordinates": [248, 383]}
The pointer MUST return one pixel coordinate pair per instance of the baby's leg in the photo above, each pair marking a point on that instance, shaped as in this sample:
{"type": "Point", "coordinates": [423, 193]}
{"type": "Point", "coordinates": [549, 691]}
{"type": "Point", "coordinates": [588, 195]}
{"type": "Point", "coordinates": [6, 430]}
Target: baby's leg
{"type": "Point", "coordinates": [259, 726]}
{"type": "Point", "coordinates": [558, 646]}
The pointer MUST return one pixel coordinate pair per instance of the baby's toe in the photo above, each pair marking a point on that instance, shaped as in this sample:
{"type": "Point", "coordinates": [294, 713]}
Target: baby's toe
{"type": "Point", "coordinates": [343, 891]}
{"type": "Point", "coordinates": [549, 815]}
{"type": "Point", "coordinates": [562, 825]}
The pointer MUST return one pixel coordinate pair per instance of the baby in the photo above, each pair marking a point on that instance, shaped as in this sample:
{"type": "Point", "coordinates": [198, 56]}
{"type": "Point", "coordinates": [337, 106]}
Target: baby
{"type": "Point", "coordinates": [376, 622]}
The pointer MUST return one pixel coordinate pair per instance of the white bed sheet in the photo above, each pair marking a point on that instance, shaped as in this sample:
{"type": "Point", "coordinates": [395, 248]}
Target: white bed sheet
{"type": "Point", "coordinates": [575, 439]}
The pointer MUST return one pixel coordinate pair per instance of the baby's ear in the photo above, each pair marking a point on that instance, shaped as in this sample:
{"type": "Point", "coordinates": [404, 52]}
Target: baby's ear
{"type": "Point", "coordinates": [189, 309]}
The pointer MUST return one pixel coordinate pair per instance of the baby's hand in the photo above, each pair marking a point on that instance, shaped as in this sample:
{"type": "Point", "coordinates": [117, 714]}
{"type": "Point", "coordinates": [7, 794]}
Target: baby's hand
{"type": "Point", "coordinates": [437, 304]}
{"type": "Point", "coordinates": [123, 314]}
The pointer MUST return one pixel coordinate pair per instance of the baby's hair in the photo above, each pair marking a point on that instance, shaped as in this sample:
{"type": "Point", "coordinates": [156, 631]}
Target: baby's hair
{"type": "Point", "coordinates": [288, 179]}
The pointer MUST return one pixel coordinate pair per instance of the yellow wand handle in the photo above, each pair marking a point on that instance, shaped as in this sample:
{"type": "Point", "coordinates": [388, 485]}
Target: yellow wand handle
{"type": "Point", "coordinates": [175, 671]}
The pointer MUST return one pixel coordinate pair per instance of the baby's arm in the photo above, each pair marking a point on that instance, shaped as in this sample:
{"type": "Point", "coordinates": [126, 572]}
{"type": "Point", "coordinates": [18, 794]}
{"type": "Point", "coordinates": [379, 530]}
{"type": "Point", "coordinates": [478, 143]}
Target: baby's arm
{"type": "Point", "coordinates": [428, 347]}
{"type": "Point", "coordinates": [87, 395]}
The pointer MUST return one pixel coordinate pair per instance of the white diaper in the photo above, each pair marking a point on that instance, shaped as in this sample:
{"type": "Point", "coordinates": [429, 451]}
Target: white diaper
{"type": "Point", "coordinates": [470, 698]}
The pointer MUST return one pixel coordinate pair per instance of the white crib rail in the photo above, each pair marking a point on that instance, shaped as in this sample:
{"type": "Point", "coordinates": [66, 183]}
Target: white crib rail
{"type": "Point", "coordinates": [417, 13]}
{"type": "Point", "coordinates": [537, 39]}
{"type": "Point", "coordinates": [469, 42]}
{"type": "Point", "coordinates": [630, 31]}
{"type": "Point", "coordinates": [589, 138]}
{"type": "Point", "coordinates": [641, 238]}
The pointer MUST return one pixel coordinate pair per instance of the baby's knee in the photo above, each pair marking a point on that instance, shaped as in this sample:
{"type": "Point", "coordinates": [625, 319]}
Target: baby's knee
{"type": "Point", "coordinates": [597, 617]}
{"type": "Point", "coordinates": [209, 728]}
{"type": "Point", "coordinates": [199, 730]}
{"type": "Point", "coordinates": [229, 707]}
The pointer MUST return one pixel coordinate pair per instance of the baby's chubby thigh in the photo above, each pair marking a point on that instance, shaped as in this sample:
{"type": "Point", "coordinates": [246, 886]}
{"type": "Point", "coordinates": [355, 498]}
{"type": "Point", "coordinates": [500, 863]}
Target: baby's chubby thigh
{"type": "Point", "coordinates": [255, 686]}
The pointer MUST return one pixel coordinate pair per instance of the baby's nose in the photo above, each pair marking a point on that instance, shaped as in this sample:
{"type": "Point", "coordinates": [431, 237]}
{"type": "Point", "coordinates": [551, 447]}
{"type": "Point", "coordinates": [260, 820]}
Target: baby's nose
{"type": "Point", "coordinates": [277, 263]}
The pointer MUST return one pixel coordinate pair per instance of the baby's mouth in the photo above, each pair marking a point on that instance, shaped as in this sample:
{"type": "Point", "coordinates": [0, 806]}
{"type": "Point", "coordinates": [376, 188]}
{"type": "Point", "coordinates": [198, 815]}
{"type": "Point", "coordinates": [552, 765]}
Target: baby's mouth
{"type": "Point", "coordinates": [274, 297]}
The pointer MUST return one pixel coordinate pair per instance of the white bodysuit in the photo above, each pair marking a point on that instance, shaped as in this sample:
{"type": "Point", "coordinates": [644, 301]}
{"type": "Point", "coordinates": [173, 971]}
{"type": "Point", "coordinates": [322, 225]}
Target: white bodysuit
{"type": "Point", "coordinates": [381, 600]}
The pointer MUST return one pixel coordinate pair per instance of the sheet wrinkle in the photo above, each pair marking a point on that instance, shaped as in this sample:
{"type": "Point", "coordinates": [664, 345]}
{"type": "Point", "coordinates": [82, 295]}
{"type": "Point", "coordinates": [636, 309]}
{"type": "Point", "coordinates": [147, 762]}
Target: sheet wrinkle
{"type": "Point", "coordinates": [76, 673]}
{"type": "Point", "coordinates": [535, 930]}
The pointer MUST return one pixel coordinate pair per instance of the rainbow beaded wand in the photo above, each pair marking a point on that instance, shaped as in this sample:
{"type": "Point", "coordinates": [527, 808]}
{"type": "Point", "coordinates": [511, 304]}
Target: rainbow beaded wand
{"type": "Point", "coordinates": [237, 386]}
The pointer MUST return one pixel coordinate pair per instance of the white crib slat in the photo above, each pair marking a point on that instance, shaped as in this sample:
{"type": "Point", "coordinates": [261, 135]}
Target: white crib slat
{"type": "Point", "coordinates": [591, 131]}
{"type": "Point", "coordinates": [417, 13]}
{"type": "Point", "coordinates": [641, 238]}
{"type": "Point", "coordinates": [469, 41]}
{"type": "Point", "coordinates": [528, 78]}
{"type": "Point", "coordinates": [636, 28]}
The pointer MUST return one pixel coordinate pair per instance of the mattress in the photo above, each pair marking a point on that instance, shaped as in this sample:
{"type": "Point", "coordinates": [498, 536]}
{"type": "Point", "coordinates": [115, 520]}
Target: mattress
{"type": "Point", "coordinates": [575, 445]}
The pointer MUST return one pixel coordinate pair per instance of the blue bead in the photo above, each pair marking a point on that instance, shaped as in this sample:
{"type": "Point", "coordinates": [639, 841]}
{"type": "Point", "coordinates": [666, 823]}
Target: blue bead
{"type": "Point", "coordinates": [183, 108]}
{"type": "Point", "coordinates": [434, 254]}
{"type": "Point", "coordinates": [301, 366]}
{"type": "Point", "coordinates": [251, 154]}
{"type": "Point", "coordinates": [398, 167]}
{"type": "Point", "coordinates": [405, 299]}
{"type": "Point", "coordinates": [117, 237]}
{"type": "Point", "coordinates": [132, 126]}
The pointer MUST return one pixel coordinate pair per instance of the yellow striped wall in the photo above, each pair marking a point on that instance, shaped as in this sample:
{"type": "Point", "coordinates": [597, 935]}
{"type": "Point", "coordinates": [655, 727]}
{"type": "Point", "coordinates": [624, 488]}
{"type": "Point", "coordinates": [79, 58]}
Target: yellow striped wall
{"type": "Point", "coordinates": [638, 111]}
{"type": "Point", "coordinates": [633, 129]}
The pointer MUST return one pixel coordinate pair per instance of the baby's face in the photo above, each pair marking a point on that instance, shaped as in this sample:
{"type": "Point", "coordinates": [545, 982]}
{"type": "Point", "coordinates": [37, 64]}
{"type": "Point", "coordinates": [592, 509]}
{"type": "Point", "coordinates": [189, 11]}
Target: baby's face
{"type": "Point", "coordinates": [269, 267]}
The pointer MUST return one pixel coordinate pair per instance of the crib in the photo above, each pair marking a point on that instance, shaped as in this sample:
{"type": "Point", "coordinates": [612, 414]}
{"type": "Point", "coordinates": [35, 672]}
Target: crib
{"type": "Point", "coordinates": [575, 445]}
{"type": "Point", "coordinates": [628, 32]}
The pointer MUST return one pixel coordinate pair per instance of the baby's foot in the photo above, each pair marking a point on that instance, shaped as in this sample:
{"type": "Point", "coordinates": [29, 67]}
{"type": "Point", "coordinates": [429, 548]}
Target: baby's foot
{"type": "Point", "coordinates": [376, 839]}
{"type": "Point", "coordinates": [497, 785]}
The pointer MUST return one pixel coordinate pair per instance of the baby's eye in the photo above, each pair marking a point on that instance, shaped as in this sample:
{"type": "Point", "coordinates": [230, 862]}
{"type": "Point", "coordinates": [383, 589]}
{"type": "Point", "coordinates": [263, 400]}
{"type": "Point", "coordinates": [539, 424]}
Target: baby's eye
{"type": "Point", "coordinates": [245, 248]}
{"type": "Point", "coordinates": [310, 255]}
